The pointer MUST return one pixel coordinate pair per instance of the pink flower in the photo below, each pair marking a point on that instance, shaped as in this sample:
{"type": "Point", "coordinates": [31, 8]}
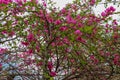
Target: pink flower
{"type": "Point", "coordinates": [30, 51]}
{"type": "Point", "coordinates": [78, 32]}
{"type": "Point", "coordinates": [69, 19]}
{"type": "Point", "coordinates": [2, 50]}
{"type": "Point", "coordinates": [0, 66]}
{"type": "Point", "coordinates": [52, 73]}
{"type": "Point", "coordinates": [94, 59]}
{"type": "Point", "coordinates": [25, 43]}
{"type": "Point", "coordinates": [4, 32]}
{"type": "Point", "coordinates": [20, 2]}
{"type": "Point", "coordinates": [112, 8]}
{"type": "Point", "coordinates": [12, 33]}
{"type": "Point", "coordinates": [108, 11]}
{"type": "Point", "coordinates": [92, 2]}
{"type": "Point", "coordinates": [63, 10]}
{"type": "Point", "coordinates": [53, 44]}
{"type": "Point", "coordinates": [63, 28]}
{"type": "Point", "coordinates": [40, 63]}
{"type": "Point", "coordinates": [115, 22]}
{"type": "Point", "coordinates": [103, 14]}
{"type": "Point", "coordinates": [5, 1]}
{"type": "Point", "coordinates": [30, 37]}
{"type": "Point", "coordinates": [38, 48]}
{"type": "Point", "coordinates": [81, 39]}
{"type": "Point", "coordinates": [65, 40]}
{"type": "Point", "coordinates": [50, 65]}
{"type": "Point", "coordinates": [116, 59]}
{"type": "Point", "coordinates": [57, 22]}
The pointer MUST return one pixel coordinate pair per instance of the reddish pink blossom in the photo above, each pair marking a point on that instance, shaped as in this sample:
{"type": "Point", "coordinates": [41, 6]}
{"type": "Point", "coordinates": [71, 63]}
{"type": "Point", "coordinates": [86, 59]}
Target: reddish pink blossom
{"type": "Point", "coordinates": [44, 4]}
{"type": "Point", "coordinates": [0, 66]}
{"type": "Point", "coordinates": [53, 44]}
{"type": "Point", "coordinates": [81, 39]}
{"type": "Point", "coordinates": [30, 51]}
{"type": "Point", "coordinates": [57, 22]}
{"type": "Point", "coordinates": [108, 11]}
{"type": "Point", "coordinates": [63, 10]}
{"type": "Point", "coordinates": [4, 32]}
{"type": "Point", "coordinates": [103, 14]}
{"type": "Point", "coordinates": [116, 59]}
{"type": "Point", "coordinates": [65, 40]}
{"type": "Point", "coordinates": [38, 48]}
{"type": "Point", "coordinates": [30, 37]}
{"type": "Point", "coordinates": [40, 63]}
{"type": "Point", "coordinates": [112, 8]}
{"type": "Point", "coordinates": [12, 33]}
{"type": "Point", "coordinates": [69, 19]}
{"type": "Point", "coordinates": [50, 66]}
{"type": "Point", "coordinates": [52, 73]}
{"type": "Point", "coordinates": [18, 2]}
{"type": "Point", "coordinates": [94, 59]}
{"type": "Point", "coordinates": [25, 43]}
{"type": "Point", "coordinates": [63, 28]}
{"type": "Point", "coordinates": [68, 50]}
{"type": "Point", "coordinates": [115, 22]}
{"type": "Point", "coordinates": [92, 2]}
{"type": "Point", "coordinates": [5, 1]}
{"type": "Point", "coordinates": [2, 50]}
{"type": "Point", "coordinates": [78, 32]}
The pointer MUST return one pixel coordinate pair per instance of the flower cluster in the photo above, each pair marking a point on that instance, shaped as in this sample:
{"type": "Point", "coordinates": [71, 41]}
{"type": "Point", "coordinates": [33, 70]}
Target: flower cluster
{"type": "Point", "coordinates": [5, 1]}
{"type": "Point", "coordinates": [108, 11]}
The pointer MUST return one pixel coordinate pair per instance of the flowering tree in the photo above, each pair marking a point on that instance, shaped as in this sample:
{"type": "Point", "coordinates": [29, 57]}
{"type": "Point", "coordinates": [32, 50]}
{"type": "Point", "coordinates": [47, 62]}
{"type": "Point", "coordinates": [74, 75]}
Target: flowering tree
{"type": "Point", "coordinates": [44, 42]}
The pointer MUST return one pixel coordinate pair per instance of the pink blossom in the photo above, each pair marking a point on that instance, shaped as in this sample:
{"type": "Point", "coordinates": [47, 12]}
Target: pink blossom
{"type": "Point", "coordinates": [63, 28]}
{"type": "Point", "coordinates": [68, 50]}
{"type": "Point", "coordinates": [115, 22]}
{"type": "Point", "coordinates": [52, 73]}
{"type": "Point", "coordinates": [108, 11]}
{"type": "Point", "coordinates": [2, 50]}
{"type": "Point", "coordinates": [53, 44]}
{"type": "Point", "coordinates": [30, 51]}
{"type": "Point", "coordinates": [50, 65]}
{"type": "Point", "coordinates": [30, 37]}
{"type": "Point", "coordinates": [94, 59]}
{"type": "Point", "coordinates": [20, 2]}
{"type": "Point", "coordinates": [116, 59]}
{"type": "Point", "coordinates": [112, 8]}
{"type": "Point", "coordinates": [0, 66]}
{"type": "Point", "coordinates": [57, 22]}
{"type": "Point", "coordinates": [92, 2]}
{"type": "Point", "coordinates": [25, 43]}
{"type": "Point", "coordinates": [69, 19]}
{"type": "Point", "coordinates": [11, 33]}
{"type": "Point", "coordinates": [44, 4]}
{"type": "Point", "coordinates": [65, 40]}
{"type": "Point", "coordinates": [37, 48]}
{"type": "Point", "coordinates": [4, 32]}
{"type": "Point", "coordinates": [63, 10]}
{"type": "Point", "coordinates": [40, 63]}
{"type": "Point", "coordinates": [5, 1]}
{"type": "Point", "coordinates": [103, 14]}
{"type": "Point", "coordinates": [78, 32]}
{"type": "Point", "coordinates": [81, 39]}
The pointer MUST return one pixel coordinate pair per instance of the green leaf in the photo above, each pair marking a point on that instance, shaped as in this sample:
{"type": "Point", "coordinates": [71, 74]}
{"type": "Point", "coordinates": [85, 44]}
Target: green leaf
{"type": "Point", "coordinates": [87, 29]}
{"type": "Point", "coordinates": [51, 78]}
